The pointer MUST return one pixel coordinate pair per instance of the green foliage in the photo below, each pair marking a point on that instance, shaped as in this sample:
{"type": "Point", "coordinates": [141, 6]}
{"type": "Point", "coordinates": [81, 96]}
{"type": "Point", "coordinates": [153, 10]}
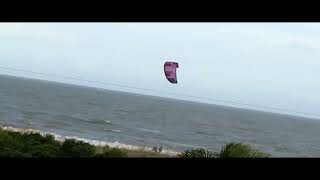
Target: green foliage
{"type": "Point", "coordinates": [239, 150]}
{"type": "Point", "coordinates": [45, 150]}
{"type": "Point", "coordinates": [231, 150]}
{"type": "Point", "coordinates": [73, 148]}
{"type": "Point", "coordinates": [15, 144]}
{"type": "Point", "coordinates": [197, 153]}
{"type": "Point", "coordinates": [113, 153]}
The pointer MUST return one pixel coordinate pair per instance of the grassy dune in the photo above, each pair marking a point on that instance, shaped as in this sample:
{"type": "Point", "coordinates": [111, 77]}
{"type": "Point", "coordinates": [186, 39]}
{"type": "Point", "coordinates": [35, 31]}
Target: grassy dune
{"type": "Point", "coordinates": [34, 145]}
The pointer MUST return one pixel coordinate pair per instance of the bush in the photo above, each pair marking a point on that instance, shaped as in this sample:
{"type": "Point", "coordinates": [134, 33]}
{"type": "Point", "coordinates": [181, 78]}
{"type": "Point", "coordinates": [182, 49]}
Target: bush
{"type": "Point", "coordinates": [197, 153]}
{"type": "Point", "coordinates": [231, 150]}
{"type": "Point", "coordinates": [73, 148]}
{"type": "Point", "coordinates": [239, 150]}
{"type": "Point", "coordinates": [11, 153]}
{"type": "Point", "coordinates": [14, 144]}
{"type": "Point", "coordinates": [45, 150]}
{"type": "Point", "coordinates": [112, 153]}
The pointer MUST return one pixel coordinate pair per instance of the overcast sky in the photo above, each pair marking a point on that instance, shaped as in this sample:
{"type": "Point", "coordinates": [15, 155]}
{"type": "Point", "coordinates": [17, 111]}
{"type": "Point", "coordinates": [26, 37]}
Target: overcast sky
{"type": "Point", "coordinates": [265, 64]}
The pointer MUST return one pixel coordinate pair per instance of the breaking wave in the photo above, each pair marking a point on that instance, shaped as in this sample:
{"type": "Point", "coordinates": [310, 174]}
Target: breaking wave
{"type": "Point", "coordinates": [149, 130]}
{"type": "Point", "coordinates": [113, 130]}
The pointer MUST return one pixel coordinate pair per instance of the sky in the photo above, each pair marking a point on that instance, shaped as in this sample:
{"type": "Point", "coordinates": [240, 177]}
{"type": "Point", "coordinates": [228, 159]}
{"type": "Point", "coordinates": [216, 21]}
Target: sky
{"type": "Point", "coordinates": [263, 64]}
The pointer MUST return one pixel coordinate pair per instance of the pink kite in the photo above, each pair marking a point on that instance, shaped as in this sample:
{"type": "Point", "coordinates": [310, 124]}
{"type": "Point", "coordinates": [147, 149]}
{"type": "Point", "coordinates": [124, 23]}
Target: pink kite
{"type": "Point", "coordinates": [170, 71]}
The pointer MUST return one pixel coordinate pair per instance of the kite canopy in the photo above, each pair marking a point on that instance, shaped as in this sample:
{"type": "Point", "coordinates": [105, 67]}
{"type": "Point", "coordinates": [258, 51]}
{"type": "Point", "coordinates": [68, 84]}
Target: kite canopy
{"type": "Point", "coordinates": [170, 71]}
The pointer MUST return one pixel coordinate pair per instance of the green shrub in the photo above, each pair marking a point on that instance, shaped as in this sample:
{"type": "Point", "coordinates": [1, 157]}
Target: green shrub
{"type": "Point", "coordinates": [45, 150]}
{"type": "Point", "coordinates": [231, 150]}
{"type": "Point", "coordinates": [73, 148]}
{"type": "Point", "coordinates": [239, 150]}
{"type": "Point", "coordinates": [16, 144]}
{"type": "Point", "coordinates": [197, 153]}
{"type": "Point", "coordinates": [112, 153]}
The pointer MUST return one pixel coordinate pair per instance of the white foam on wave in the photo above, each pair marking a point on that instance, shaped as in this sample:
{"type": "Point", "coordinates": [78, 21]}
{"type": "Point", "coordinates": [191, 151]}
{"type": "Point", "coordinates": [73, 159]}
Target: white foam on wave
{"type": "Point", "coordinates": [62, 138]}
{"type": "Point", "coordinates": [107, 121]}
{"type": "Point", "coordinates": [113, 130]}
{"type": "Point", "coordinates": [149, 130]}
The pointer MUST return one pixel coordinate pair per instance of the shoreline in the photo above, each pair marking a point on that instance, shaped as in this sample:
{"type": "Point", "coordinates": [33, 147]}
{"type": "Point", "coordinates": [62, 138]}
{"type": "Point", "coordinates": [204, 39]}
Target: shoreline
{"type": "Point", "coordinates": [96, 143]}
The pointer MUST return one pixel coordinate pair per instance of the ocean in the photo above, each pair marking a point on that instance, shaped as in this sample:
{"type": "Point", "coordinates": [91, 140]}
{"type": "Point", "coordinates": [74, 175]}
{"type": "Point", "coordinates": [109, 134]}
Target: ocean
{"type": "Point", "coordinates": [145, 121]}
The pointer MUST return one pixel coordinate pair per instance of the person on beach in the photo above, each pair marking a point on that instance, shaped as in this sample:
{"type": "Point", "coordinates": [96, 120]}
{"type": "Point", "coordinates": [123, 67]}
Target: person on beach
{"type": "Point", "coordinates": [155, 149]}
{"type": "Point", "coordinates": [160, 149]}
